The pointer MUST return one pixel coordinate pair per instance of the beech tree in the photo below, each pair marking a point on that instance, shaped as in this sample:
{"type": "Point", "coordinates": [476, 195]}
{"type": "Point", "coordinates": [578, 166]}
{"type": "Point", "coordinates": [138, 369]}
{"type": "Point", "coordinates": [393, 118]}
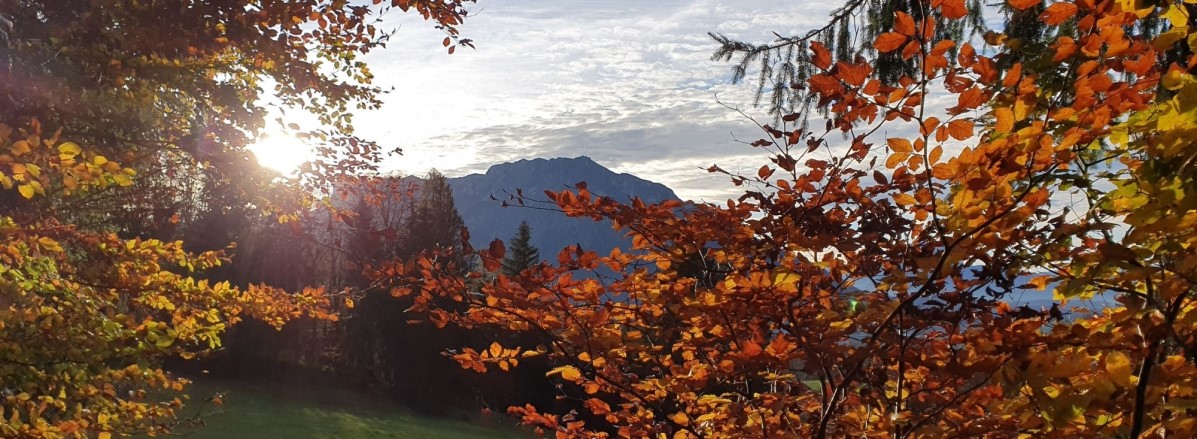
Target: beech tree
{"type": "Point", "coordinates": [113, 106]}
{"type": "Point", "coordinates": [751, 323]}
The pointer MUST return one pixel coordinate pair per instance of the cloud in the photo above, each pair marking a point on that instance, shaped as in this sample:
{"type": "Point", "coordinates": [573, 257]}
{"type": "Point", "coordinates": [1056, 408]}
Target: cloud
{"type": "Point", "coordinates": [628, 83]}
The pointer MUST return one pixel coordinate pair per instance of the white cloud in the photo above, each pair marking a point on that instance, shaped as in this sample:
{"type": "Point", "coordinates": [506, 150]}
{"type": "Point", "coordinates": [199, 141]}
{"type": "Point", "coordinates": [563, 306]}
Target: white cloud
{"type": "Point", "coordinates": [628, 83]}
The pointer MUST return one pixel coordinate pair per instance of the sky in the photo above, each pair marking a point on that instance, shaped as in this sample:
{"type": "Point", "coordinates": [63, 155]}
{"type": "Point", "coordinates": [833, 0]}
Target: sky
{"type": "Point", "coordinates": [628, 83]}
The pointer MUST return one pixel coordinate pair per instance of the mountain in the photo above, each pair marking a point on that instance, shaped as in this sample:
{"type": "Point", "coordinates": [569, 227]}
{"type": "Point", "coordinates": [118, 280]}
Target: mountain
{"type": "Point", "coordinates": [487, 219]}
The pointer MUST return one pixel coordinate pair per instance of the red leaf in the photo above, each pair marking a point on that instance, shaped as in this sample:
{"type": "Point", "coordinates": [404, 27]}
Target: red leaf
{"type": "Point", "coordinates": [497, 249]}
{"type": "Point", "coordinates": [822, 57]}
{"type": "Point", "coordinates": [764, 172]}
{"type": "Point", "coordinates": [880, 178]}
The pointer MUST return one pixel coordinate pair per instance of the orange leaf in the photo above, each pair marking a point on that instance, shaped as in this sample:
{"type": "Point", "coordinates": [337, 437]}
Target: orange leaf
{"type": "Point", "coordinates": [899, 144]}
{"type": "Point", "coordinates": [928, 28]}
{"type": "Point", "coordinates": [1023, 4]}
{"type": "Point", "coordinates": [904, 24]}
{"type": "Point", "coordinates": [896, 159]}
{"type": "Point", "coordinates": [968, 100]}
{"type": "Point", "coordinates": [597, 406]}
{"type": "Point", "coordinates": [911, 49]}
{"type": "Point", "coordinates": [568, 373]}
{"type": "Point", "coordinates": [889, 42]}
{"type": "Point", "coordinates": [904, 199]}
{"type": "Point", "coordinates": [822, 57]}
{"type": "Point", "coordinates": [935, 155]}
{"type": "Point", "coordinates": [1012, 75]}
{"type": "Point", "coordinates": [852, 74]}
{"type": "Point", "coordinates": [750, 348]}
{"type": "Point", "coordinates": [928, 125]}
{"type": "Point", "coordinates": [953, 9]}
{"type": "Point", "coordinates": [1058, 13]}
{"type": "Point", "coordinates": [960, 129]}
{"type": "Point", "coordinates": [1004, 120]}
{"type": "Point", "coordinates": [986, 69]}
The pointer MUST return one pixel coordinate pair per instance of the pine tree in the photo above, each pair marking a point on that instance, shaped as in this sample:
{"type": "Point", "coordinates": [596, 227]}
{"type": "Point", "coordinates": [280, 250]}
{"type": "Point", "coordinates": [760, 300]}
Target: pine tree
{"type": "Point", "coordinates": [522, 254]}
{"type": "Point", "coordinates": [420, 376]}
{"type": "Point", "coordinates": [435, 222]}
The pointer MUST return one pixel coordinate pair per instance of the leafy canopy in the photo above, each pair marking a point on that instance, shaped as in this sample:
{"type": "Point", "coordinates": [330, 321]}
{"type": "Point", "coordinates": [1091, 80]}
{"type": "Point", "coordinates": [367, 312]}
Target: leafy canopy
{"type": "Point", "coordinates": [113, 106]}
{"type": "Point", "coordinates": [871, 290]}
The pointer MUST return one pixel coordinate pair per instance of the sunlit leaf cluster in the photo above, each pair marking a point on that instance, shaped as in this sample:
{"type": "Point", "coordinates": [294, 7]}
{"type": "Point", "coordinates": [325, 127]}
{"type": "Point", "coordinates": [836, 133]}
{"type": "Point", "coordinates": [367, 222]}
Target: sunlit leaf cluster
{"type": "Point", "coordinates": [869, 287]}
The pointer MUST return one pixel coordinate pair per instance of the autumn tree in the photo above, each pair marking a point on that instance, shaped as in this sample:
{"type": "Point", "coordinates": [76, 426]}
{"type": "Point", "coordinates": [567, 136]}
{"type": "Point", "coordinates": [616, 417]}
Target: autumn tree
{"type": "Point", "coordinates": [111, 118]}
{"type": "Point", "coordinates": [522, 253]}
{"type": "Point", "coordinates": [1018, 183]}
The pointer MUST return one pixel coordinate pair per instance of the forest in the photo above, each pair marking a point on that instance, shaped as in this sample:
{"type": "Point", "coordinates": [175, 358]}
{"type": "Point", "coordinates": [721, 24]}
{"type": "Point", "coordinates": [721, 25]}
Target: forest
{"type": "Point", "coordinates": [920, 162]}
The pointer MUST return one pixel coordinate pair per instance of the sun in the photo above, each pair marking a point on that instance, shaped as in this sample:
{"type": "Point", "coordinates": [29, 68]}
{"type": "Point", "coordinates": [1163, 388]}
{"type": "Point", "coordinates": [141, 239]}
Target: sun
{"type": "Point", "coordinates": [281, 152]}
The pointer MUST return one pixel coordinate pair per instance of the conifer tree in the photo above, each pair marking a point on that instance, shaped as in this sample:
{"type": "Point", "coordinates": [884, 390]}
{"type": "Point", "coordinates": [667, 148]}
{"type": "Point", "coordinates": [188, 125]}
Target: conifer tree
{"type": "Point", "coordinates": [420, 376]}
{"type": "Point", "coordinates": [435, 221]}
{"type": "Point", "coordinates": [522, 253]}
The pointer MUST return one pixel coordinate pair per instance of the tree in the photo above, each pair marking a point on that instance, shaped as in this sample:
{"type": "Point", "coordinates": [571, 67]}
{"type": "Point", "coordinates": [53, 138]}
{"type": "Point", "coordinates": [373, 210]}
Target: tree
{"type": "Point", "coordinates": [934, 241]}
{"type": "Point", "coordinates": [416, 351]}
{"type": "Point", "coordinates": [523, 253]}
{"type": "Point", "coordinates": [111, 117]}
{"type": "Point", "coordinates": [851, 30]}
{"type": "Point", "coordinates": [435, 222]}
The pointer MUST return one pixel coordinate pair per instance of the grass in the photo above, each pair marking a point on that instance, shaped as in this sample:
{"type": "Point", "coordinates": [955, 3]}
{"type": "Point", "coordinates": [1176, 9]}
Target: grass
{"type": "Point", "coordinates": [250, 412]}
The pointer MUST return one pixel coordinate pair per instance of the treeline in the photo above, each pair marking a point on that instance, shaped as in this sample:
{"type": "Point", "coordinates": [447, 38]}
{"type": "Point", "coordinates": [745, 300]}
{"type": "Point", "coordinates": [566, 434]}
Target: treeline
{"type": "Point", "coordinates": [375, 345]}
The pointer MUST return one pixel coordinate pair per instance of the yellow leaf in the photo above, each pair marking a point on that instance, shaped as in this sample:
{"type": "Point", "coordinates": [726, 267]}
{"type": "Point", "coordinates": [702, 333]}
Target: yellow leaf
{"type": "Point", "coordinates": [784, 277]}
{"type": "Point", "coordinates": [26, 190]}
{"type": "Point", "coordinates": [69, 150]}
{"type": "Point", "coordinates": [122, 179]}
{"type": "Point", "coordinates": [105, 435]}
{"type": "Point", "coordinates": [49, 244]}
{"type": "Point", "coordinates": [904, 199]}
{"type": "Point", "coordinates": [568, 373]}
{"type": "Point", "coordinates": [1118, 365]}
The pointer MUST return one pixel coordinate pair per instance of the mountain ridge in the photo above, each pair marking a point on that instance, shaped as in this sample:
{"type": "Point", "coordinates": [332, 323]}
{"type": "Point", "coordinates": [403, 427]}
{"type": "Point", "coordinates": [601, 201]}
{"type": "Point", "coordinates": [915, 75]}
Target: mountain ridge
{"type": "Point", "coordinates": [487, 219]}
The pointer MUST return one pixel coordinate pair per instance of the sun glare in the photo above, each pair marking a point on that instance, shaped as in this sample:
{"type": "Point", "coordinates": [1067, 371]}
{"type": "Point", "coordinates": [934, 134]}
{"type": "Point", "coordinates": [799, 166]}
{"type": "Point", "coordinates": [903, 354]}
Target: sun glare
{"type": "Point", "coordinates": [281, 152]}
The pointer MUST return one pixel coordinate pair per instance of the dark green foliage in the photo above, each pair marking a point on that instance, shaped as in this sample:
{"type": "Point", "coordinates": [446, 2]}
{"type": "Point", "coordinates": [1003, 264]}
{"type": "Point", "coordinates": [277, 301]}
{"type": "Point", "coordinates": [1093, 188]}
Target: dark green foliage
{"type": "Point", "coordinates": [521, 254]}
{"type": "Point", "coordinates": [435, 222]}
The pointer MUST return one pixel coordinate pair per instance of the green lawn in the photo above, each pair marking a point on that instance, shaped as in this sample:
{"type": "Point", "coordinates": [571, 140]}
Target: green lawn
{"type": "Point", "coordinates": [258, 413]}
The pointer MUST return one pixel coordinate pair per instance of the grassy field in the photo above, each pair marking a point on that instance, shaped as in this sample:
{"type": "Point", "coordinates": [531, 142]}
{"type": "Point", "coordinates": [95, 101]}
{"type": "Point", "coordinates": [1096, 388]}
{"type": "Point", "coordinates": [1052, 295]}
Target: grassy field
{"type": "Point", "coordinates": [250, 412]}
